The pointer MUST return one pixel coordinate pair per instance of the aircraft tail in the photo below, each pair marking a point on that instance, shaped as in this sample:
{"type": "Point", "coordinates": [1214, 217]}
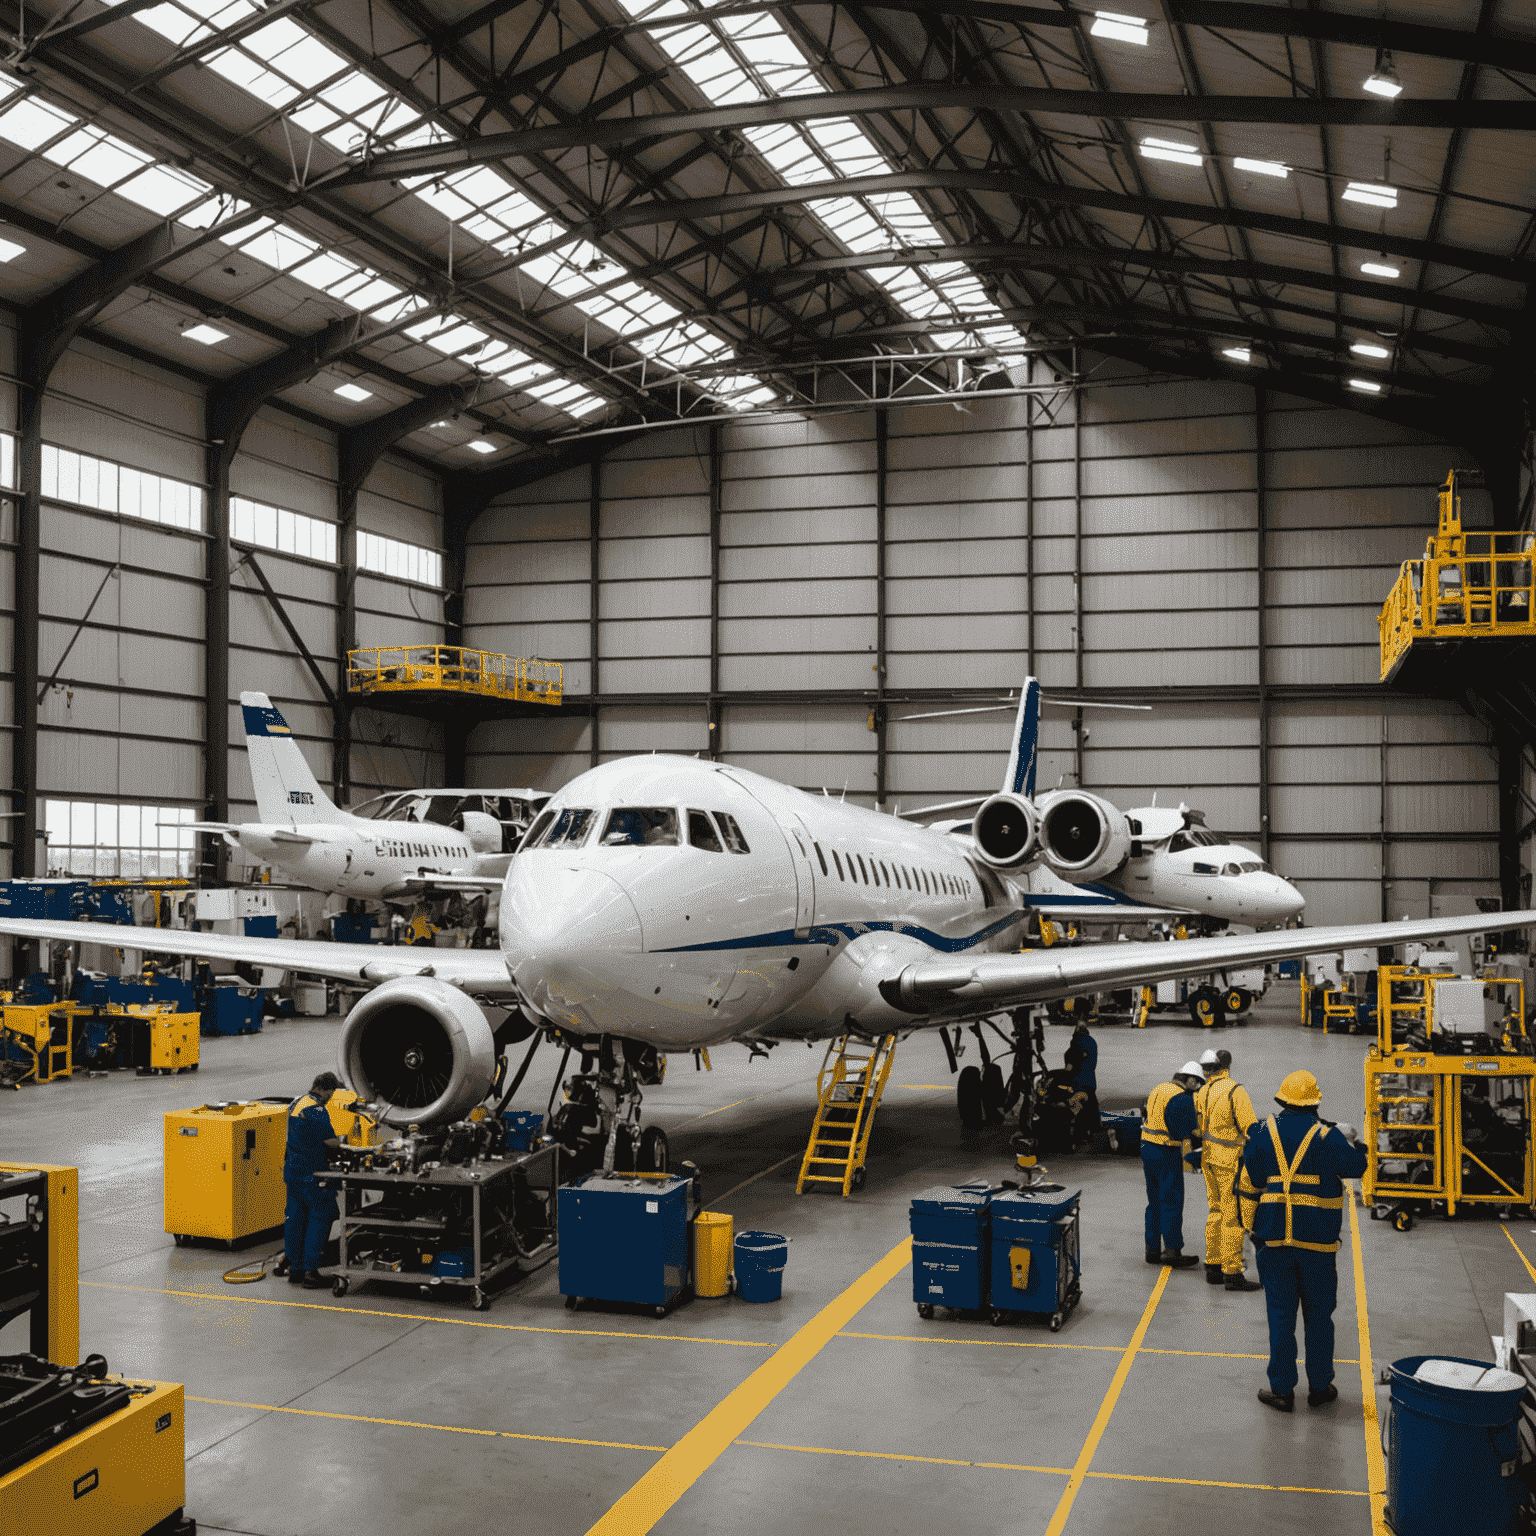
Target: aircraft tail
{"type": "Point", "coordinates": [286, 789]}
{"type": "Point", "coordinates": [1020, 778]}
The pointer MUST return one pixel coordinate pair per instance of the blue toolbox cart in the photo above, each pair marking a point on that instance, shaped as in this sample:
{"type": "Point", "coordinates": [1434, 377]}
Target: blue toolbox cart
{"type": "Point", "coordinates": [1036, 1261]}
{"type": "Point", "coordinates": [624, 1237]}
{"type": "Point", "coordinates": [949, 1249]}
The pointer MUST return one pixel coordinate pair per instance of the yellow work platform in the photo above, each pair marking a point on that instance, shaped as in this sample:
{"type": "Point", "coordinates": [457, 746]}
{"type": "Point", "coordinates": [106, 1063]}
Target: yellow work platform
{"type": "Point", "coordinates": [1469, 587]}
{"type": "Point", "coordinates": [425, 670]}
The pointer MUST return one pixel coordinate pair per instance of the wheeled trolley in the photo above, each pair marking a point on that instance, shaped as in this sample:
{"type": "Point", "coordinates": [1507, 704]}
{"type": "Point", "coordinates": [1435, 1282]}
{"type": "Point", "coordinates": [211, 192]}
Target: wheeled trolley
{"type": "Point", "coordinates": [1036, 1255]}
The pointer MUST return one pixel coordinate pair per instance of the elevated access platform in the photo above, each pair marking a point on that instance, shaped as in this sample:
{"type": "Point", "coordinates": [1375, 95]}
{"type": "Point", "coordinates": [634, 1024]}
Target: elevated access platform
{"type": "Point", "coordinates": [452, 681]}
{"type": "Point", "coordinates": [1462, 621]}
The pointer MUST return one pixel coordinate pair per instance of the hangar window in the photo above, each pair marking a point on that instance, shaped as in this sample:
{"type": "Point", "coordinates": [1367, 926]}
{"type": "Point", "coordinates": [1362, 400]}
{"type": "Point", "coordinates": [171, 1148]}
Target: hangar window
{"type": "Point", "coordinates": [290, 533]}
{"type": "Point", "coordinates": [637, 826]}
{"type": "Point", "coordinates": [405, 562]}
{"type": "Point", "coordinates": [91, 482]}
{"type": "Point", "coordinates": [702, 834]}
{"type": "Point", "coordinates": [119, 841]}
{"type": "Point", "coordinates": [731, 831]}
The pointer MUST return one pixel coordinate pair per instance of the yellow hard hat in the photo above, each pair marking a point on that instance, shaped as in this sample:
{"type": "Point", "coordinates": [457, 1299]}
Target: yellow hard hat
{"type": "Point", "coordinates": [1300, 1090]}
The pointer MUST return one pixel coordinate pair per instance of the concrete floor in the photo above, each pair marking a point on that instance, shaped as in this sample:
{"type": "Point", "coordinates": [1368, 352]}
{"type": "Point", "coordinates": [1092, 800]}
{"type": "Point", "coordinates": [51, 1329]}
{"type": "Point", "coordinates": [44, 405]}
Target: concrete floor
{"type": "Point", "coordinates": [309, 1416]}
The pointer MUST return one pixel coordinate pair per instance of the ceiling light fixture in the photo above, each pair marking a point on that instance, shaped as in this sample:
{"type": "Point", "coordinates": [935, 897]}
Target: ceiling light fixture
{"type": "Point", "coordinates": [205, 333]}
{"type": "Point", "coordinates": [1369, 193]}
{"type": "Point", "coordinates": [1366, 386]}
{"type": "Point", "coordinates": [1123, 29]}
{"type": "Point", "coordinates": [1381, 269]}
{"type": "Point", "coordinates": [1262, 167]}
{"type": "Point", "coordinates": [481, 446]}
{"type": "Point", "coordinates": [353, 392]}
{"type": "Point", "coordinates": [1167, 149]}
{"type": "Point", "coordinates": [1237, 354]}
{"type": "Point", "coordinates": [9, 250]}
{"type": "Point", "coordinates": [1383, 81]}
{"type": "Point", "coordinates": [1369, 349]}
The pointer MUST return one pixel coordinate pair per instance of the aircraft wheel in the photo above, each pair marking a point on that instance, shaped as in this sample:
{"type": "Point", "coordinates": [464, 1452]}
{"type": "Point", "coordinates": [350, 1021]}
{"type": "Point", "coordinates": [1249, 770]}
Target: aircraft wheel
{"type": "Point", "coordinates": [626, 1149]}
{"type": "Point", "coordinates": [925, 1311]}
{"type": "Point", "coordinates": [340, 1286]}
{"type": "Point", "coordinates": [1205, 1009]}
{"type": "Point", "coordinates": [653, 1150]}
{"type": "Point", "coordinates": [994, 1093]}
{"type": "Point", "coordinates": [969, 1098]}
{"type": "Point", "coordinates": [1235, 1000]}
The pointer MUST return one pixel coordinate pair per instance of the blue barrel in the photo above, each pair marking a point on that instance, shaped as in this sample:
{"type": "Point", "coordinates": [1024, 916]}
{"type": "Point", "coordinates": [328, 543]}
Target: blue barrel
{"type": "Point", "coordinates": [1451, 1454]}
{"type": "Point", "coordinates": [760, 1260]}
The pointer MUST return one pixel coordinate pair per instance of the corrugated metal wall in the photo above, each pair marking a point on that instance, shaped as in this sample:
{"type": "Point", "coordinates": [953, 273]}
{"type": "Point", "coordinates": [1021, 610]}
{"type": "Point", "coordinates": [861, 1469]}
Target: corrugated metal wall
{"type": "Point", "coordinates": [1168, 539]}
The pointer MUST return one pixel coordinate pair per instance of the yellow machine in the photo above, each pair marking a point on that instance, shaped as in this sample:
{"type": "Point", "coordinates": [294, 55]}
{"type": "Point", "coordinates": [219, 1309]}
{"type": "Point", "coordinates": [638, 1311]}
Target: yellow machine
{"type": "Point", "coordinates": [40, 1259]}
{"type": "Point", "coordinates": [43, 1032]}
{"type": "Point", "coordinates": [172, 1040]}
{"type": "Point", "coordinates": [1448, 1095]}
{"type": "Point", "coordinates": [122, 1476]}
{"type": "Point", "coordinates": [224, 1170]}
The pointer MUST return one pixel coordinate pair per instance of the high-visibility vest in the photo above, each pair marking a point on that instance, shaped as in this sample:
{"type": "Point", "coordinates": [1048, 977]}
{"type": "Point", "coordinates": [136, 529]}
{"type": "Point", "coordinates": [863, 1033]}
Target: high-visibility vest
{"type": "Point", "coordinates": [1156, 1128]}
{"type": "Point", "coordinates": [1222, 1122]}
{"type": "Point", "coordinates": [1287, 1187]}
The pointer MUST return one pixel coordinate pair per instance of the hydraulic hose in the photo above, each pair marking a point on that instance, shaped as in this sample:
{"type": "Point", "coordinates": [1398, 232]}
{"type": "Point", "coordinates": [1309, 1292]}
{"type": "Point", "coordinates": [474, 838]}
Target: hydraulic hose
{"type": "Point", "coordinates": [522, 1072]}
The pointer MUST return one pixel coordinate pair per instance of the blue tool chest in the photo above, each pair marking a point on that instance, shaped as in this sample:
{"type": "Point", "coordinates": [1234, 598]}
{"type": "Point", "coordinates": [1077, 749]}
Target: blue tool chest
{"type": "Point", "coordinates": [949, 1248]}
{"type": "Point", "coordinates": [624, 1238]}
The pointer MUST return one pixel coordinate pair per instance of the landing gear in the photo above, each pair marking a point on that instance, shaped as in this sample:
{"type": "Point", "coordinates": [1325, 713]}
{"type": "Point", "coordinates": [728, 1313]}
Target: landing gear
{"type": "Point", "coordinates": [1206, 1009]}
{"type": "Point", "coordinates": [599, 1124]}
{"type": "Point", "coordinates": [652, 1157]}
{"type": "Point", "coordinates": [970, 1098]}
{"type": "Point", "coordinates": [994, 1093]}
{"type": "Point", "coordinates": [1237, 1001]}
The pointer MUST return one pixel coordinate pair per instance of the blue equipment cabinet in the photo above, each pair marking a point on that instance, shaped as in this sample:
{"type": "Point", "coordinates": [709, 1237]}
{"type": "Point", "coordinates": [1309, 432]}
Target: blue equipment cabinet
{"type": "Point", "coordinates": [1036, 1263]}
{"type": "Point", "coordinates": [949, 1249]}
{"type": "Point", "coordinates": [625, 1238]}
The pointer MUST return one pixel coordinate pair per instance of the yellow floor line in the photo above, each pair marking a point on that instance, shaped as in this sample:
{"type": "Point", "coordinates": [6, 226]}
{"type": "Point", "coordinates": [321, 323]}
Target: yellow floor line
{"type": "Point", "coordinates": [638, 1510]}
{"type": "Point", "coordinates": [1106, 1408]}
{"type": "Point", "coordinates": [448, 1429]}
{"type": "Point", "coordinates": [429, 1317]}
{"type": "Point", "coordinates": [1012, 1466]}
{"type": "Point", "coordinates": [1375, 1466]}
{"type": "Point", "coordinates": [1109, 1349]}
{"type": "Point", "coordinates": [1518, 1249]}
{"type": "Point", "coordinates": [720, 1200]}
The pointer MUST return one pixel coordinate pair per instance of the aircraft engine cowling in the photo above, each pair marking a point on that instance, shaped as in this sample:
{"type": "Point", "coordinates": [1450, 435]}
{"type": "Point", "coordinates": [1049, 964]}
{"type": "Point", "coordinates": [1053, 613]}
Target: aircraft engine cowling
{"type": "Point", "coordinates": [1082, 837]}
{"type": "Point", "coordinates": [420, 1049]}
{"type": "Point", "coordinates": [1006, 831]}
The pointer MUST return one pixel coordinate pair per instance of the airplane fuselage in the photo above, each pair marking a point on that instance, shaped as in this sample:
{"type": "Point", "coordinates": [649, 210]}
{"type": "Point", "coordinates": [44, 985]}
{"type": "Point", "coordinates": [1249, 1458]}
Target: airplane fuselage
{"type": "Point", "coordinates": [356, 857]}
{"type": "Point", "coordinates": [647, 925]}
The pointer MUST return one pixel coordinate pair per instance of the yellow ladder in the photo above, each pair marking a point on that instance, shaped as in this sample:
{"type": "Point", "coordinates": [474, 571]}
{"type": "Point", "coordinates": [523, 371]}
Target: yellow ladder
{"type": "Point", "coordinates": [850, 1084]}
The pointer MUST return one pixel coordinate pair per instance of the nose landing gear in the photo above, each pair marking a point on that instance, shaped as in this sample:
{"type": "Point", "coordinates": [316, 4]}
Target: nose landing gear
{"type": "Point", "coordinates": [599, 1124]}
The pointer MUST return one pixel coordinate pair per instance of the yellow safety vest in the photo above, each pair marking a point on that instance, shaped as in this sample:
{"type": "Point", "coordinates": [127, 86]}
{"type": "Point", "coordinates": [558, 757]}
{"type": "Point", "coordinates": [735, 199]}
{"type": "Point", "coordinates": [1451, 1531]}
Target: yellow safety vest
{"type": "Point", "coordinates": [1250, 1199]}
{"type": "Point", "coordinates": [1222, 1121]}
{"type": "Point", "coordinates": [1156, 1128]}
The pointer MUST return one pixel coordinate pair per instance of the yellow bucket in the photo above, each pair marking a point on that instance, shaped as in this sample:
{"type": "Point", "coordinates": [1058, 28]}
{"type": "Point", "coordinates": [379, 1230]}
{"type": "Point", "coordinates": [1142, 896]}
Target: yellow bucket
{"type": "Point", "coordinates": [713, 1243]}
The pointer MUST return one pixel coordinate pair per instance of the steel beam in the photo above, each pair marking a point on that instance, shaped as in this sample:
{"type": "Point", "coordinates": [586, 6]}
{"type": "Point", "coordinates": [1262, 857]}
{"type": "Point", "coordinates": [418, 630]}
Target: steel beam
{"type": "Point", "coordinates": [1360, 30]}
{"type": "Point", "coordinates": [599, 133]}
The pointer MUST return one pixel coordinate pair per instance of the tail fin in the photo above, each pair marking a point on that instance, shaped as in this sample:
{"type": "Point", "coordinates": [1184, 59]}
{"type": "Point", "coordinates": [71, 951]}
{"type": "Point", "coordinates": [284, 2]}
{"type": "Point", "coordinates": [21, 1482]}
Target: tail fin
{"type": "Point", "coordinates": [1020, 778]}
{"type": "Point", "coordinates": [286, 790]}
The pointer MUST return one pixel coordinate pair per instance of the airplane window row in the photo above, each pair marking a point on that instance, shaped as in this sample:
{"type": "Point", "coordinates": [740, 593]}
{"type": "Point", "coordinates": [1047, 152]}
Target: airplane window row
{"type": "Point", "coordinates": [630, 826]}
{"type": "Point", "coordinates": [877, 872]}
{"type": "Point", "coordinates": [1196, 837]}
{"type": "Point", "coordinates": [1252, 867]}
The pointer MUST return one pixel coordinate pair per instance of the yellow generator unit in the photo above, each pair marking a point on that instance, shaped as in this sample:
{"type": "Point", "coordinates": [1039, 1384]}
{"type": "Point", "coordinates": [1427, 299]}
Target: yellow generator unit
{"type": "Point", "coordinates": [224, 1170]}
{"type": "Point", "coordinates": [122, 1476]}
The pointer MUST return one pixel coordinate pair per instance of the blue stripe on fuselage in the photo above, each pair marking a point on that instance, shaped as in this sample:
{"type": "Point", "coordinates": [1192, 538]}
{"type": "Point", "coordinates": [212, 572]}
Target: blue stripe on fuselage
{"type": "Point", "coordinates": [831, 933]}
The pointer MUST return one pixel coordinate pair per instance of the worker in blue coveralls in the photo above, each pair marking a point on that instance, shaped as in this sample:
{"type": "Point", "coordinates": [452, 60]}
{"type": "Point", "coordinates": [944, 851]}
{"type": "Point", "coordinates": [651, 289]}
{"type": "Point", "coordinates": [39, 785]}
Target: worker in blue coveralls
{"type": "Point", "coordinates": [1291, 1194]}
{"type": "Point", "coordinates": [1171, 1118]}
{"type": "Point", "coordinates": [1081, 1062]}
{"type": "Point", "coordinates": [311, 1209]}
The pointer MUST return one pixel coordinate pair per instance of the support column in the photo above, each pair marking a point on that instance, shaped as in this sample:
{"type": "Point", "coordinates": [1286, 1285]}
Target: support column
{"type": "Point", "coordinates": [1078, 754]}
{"type": "Point", "coordinates": [215, 860]}
{"type": "Point", "coordinates": [1029, 521]}
{"type": "Point", "coordinates": [716, 500]}
{"type": "Point", "coordinates": [1261, 482]}
{"type": "Point", "coordinates": [594, 520]}
{"type": "Point", "coordinates": [25, 664]}
{"type": "Point", "coordinates": [1510, 750]}
{"type": "Point", "coordinates": [882, 457]}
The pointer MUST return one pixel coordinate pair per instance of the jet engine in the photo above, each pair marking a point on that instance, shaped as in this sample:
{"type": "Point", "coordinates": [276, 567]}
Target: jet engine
{"type": "Point", "coordinates": [1082, 837]}
{"type": "Point", "coordinates": [420, 1049]}
{"type": "Point", "coordinates": [1006, 831]}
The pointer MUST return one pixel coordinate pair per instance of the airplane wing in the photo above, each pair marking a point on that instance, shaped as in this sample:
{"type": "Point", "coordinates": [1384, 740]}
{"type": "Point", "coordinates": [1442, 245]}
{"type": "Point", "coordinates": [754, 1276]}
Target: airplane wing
{"type": "Point", "coordinates": [945, 986]}
{"type": "Point", "coordinates": [1098, 912]}
{"type": "Point", "coordinates": [482, 972]}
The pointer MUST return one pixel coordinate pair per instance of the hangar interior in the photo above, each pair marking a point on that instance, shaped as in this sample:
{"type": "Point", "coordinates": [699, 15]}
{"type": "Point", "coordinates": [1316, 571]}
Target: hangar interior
{"type": "Point", "coordinates": [788, 383]}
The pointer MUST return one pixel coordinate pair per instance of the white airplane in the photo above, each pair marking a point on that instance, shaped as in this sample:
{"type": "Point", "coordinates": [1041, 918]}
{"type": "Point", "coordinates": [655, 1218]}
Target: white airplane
{"type": "Point", "coordinates": [663, 904]}
{"type": "Point", "coordinates": [394, 847]}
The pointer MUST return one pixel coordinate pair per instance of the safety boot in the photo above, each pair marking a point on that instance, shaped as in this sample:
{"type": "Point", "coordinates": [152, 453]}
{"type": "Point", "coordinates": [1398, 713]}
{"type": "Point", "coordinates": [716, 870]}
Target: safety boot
{"type": "Point", "coordinates": [1213, 1274]}
{"type": "Point", "coordinates": [1281, 1402]}
{"type": "Point", "coordinates": [314, 1281]}
{"type": "Point", "coordinates": [1176, 1258]}
{"type": "Point", "coordinates": [1321, 1395]}
{"type": "Point", "coordinates": [1241, 1282]}
{"type": "Point", "coordinates": [1154, 1256]}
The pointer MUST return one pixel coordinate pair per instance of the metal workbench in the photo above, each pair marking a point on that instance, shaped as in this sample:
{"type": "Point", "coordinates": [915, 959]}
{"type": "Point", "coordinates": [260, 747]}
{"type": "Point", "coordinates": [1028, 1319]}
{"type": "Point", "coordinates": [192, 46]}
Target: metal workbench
{"type": "Point", "coordinates": [461, 1201]}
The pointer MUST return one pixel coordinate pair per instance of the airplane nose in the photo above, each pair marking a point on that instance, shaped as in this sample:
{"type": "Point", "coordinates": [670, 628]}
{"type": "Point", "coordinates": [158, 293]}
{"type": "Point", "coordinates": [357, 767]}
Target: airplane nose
{"type": "Point", "coordinates": [1288, 901]}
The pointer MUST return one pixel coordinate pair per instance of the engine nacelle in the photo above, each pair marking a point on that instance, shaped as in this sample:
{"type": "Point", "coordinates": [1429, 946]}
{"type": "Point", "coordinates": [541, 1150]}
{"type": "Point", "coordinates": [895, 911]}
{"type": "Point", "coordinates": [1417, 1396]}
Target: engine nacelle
{"type": "Point", "coordinates": [1006, 831]}
{"type": "Point", "coordinates": [420, 1049]}
{"type": "Point", "coordinates": [1082, 837]}
{"type": "Point", "coordinates": [485, 833]}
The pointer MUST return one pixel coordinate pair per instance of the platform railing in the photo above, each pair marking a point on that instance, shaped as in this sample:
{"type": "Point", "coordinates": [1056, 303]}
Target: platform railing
{"type": "Point", "coordinates": [454, 669]}
{"type": "Point", "coordinates": [1484, 589]}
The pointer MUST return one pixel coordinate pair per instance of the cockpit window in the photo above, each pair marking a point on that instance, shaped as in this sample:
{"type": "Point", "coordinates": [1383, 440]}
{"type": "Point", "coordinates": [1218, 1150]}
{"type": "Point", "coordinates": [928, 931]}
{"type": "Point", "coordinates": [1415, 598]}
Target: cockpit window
{"type": "Point", "coordinates": [731, 832]}
{"type": "Point", "coordinates": [538, 829]}
{"type": "Point", "coordinates": [1252, 868]}
{"type": "Point", "coordinates": [701, 832]}
{"type": "Point", "coordinates": [634, 826]}
{"type": "Point", "coordinates": [1205, 869]}
{"type": "Point", "coordinates": [1231, 869]}
{"type": "Point", "coordinates": [570, 828]}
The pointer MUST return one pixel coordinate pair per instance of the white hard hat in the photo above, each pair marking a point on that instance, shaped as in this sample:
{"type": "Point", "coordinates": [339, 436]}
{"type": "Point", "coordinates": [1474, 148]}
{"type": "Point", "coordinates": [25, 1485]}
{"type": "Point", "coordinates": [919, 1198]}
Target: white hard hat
{"type": "Point", "coordinates": [1210, 1059]}
{"type": "Point", "coordinates": [1190, 1069]}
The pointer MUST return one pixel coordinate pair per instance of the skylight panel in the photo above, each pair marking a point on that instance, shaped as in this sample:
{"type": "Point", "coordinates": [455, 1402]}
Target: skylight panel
{"type": "Point", "coordinates": [1369, 193]}
{"type": "Point", "coordinates": [1370, 349]}
{"type": "Point", "coordinates": [459, 338]}
{"type": "Point", "coordinates": [1123, 29]}
{"type": "Point", "coordinates": [352, 94]}
{"type": "Point", "coordinates": [324, 271]}
{"type": "Point", "coordinates": [446, 201]}
{"type": "Point", "coordinates": [172, 22]}
{"type": "Point", "coordinates": [278, 246]}
{"type": "Point", "coordinates": [353, 392]}
{"type": "Point", "coordinates": [480, 445]}
{"type": "Point", "coordinates": [208, 335]}
{"type": "Point", "coordinates": [1237, 354]}
{"type": "Point", "coordinates": [1365, 386]}
{"type": "Point", "coordinates": [31, 124]}
{"type": "Point", "coordinates": [269, 41]}
{"type": "Point", "coordinates": [162, 190]}
{"type": "Point", "coordinates": [1261, 167]}
{"type": "Point", "coordinates": [1171, 149]}
{"type": "Point", "coordinates": [9, 250]}
{"type": "Point", "coordinates": [1381, 269]}
{"type": "Point", "coordinates": [513, 368]}
{"type": "Point", "coordinates": [245, 72]}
